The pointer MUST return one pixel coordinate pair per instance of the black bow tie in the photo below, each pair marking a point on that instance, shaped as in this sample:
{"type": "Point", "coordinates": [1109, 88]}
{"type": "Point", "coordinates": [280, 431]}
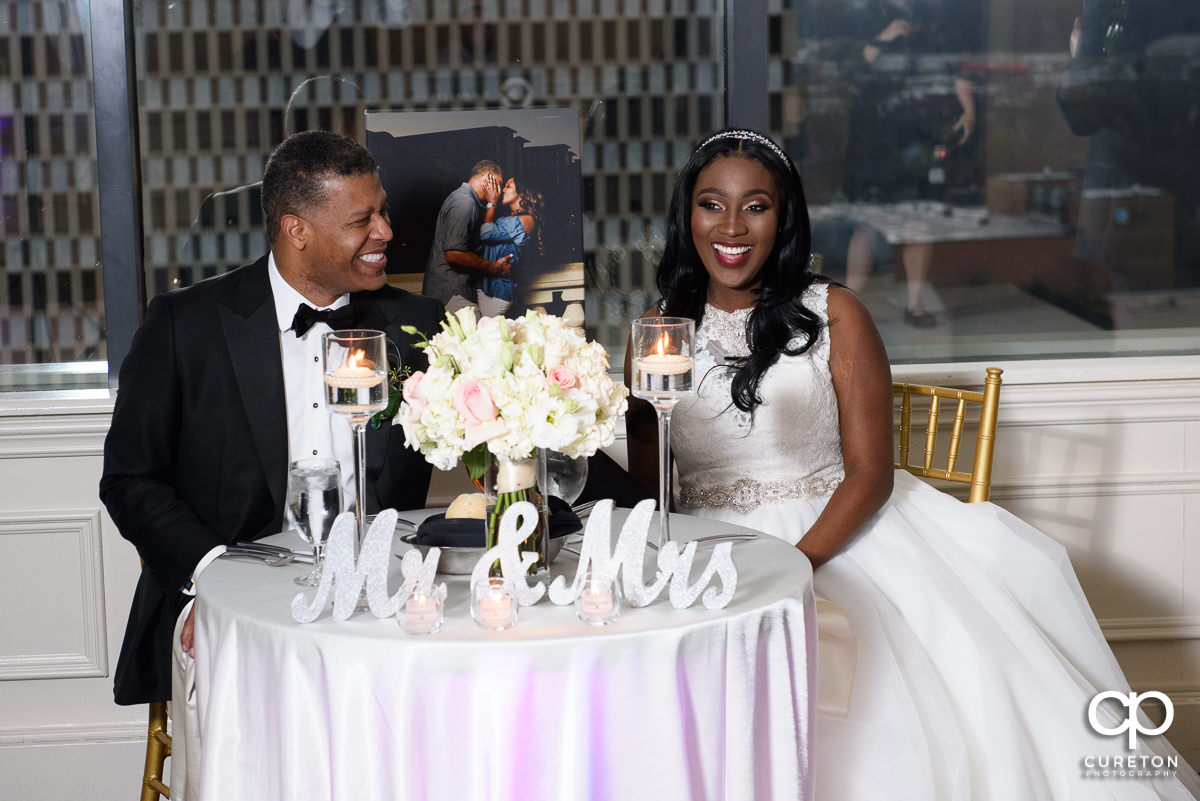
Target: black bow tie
{"type": "Point", "coordinates": [307, 316]}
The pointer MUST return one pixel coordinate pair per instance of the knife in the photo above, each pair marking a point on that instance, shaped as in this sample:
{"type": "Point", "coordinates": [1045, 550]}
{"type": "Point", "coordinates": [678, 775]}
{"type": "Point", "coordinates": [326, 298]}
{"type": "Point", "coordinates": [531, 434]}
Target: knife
{"type": "Point", "coordinates": [274, 550]}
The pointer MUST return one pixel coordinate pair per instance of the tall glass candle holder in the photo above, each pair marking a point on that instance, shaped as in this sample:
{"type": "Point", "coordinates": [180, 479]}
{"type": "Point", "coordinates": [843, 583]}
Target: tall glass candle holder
{"type": "Point", "coordinates": [663, 368]}
{"type": "Point", "coordinates": [355, 368]}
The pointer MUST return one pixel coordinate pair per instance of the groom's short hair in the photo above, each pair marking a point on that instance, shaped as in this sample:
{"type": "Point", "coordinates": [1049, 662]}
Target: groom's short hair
{"type": "Point", "coordinates": [296, 174]}
{"type": "Point", "coordinates": [484, 166]}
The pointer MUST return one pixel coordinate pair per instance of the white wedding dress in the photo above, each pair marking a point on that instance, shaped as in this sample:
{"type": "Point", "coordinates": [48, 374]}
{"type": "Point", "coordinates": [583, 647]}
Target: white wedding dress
{"type": "Point", "coordinates": [977, 652]}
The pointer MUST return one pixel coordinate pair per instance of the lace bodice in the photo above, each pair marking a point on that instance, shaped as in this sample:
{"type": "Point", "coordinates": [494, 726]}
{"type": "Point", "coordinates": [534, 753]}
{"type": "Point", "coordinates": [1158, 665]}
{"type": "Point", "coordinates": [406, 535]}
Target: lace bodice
{"type": "Point", "coordinates": [792, 448]}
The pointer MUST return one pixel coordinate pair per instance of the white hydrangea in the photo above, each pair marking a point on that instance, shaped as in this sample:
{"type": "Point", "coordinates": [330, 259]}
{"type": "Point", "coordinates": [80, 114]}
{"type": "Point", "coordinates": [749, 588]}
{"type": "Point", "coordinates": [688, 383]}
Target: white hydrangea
{"type": "Point", "coordinates": [516, 385]}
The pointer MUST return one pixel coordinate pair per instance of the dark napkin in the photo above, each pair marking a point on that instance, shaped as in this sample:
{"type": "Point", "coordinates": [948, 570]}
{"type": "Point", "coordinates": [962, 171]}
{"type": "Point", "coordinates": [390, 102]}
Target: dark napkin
{"type": "Point", "coordinates": [468, 532]}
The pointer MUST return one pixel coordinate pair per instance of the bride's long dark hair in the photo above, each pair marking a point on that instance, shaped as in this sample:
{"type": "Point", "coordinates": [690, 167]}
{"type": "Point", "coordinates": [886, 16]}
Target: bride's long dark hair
{"type": "Point", "coordinates": [779, 315]}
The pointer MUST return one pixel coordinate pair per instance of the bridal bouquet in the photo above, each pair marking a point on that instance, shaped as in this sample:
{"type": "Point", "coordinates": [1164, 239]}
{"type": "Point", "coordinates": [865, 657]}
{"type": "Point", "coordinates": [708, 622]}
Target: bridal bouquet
{"type": "Point", "coordinates": [503, 388]}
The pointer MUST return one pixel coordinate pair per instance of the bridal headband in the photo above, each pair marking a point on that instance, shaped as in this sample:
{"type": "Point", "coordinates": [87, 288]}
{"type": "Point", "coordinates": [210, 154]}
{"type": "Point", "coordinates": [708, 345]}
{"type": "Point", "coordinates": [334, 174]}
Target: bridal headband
{"type": "Point", "coordinates": [753, 136]}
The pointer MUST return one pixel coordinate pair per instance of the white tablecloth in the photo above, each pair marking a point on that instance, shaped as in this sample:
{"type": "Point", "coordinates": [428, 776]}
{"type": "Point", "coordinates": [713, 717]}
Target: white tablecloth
{"type": "Point", "coordinates": [663, 704]}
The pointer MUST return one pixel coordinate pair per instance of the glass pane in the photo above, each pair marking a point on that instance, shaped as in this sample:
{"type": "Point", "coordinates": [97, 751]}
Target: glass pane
{"type": "Point", "coordinates": [51, 293]}
{"type": "Point", "coordinates": [989, 195]}
{"type": "Point", "coordinates": [224, 82]}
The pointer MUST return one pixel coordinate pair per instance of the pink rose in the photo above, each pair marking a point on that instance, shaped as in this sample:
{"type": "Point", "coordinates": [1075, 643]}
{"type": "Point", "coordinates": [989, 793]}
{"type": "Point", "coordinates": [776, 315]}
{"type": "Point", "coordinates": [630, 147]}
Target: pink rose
{"type": "Point", "coordinates": [474, 403]}
{"type": "Point", "coordinates": [563, 376]}
{"type": "Point", "coordinates": [411, 390]}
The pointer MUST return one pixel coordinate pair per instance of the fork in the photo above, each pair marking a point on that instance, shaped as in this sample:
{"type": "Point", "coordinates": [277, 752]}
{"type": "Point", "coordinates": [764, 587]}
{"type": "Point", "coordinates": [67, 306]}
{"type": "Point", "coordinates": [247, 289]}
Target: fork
{"type": "Point", "coordinates": [274, 560]}
{"type": "Point", "coordinates": [733, 536]}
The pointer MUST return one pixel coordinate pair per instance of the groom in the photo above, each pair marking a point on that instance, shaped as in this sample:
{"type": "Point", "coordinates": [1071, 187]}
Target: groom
{"type": "Point", "coordinates": [222, 387]}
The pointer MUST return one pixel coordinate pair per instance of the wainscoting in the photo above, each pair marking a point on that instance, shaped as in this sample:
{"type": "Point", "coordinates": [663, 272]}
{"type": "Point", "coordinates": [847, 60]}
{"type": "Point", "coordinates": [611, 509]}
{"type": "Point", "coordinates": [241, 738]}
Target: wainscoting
{"type": "Point", "coordinates": [1103, 455]}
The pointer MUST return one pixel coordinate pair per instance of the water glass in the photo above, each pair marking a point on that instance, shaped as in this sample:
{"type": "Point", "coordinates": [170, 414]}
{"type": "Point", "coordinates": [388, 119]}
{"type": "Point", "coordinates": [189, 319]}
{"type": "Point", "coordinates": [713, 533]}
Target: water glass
{"type": "Point", "coordinates": [314, 500]}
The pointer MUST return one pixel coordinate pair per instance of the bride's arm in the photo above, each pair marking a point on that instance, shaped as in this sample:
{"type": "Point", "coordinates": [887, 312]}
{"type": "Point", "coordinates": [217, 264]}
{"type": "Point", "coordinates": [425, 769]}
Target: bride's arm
{"type": "Point", "coordinates": [862, 382]}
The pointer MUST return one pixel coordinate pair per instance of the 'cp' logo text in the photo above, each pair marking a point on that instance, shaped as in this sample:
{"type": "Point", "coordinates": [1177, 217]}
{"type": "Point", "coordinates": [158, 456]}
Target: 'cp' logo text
{"type": "Point", "coordinates": [1131, 702]}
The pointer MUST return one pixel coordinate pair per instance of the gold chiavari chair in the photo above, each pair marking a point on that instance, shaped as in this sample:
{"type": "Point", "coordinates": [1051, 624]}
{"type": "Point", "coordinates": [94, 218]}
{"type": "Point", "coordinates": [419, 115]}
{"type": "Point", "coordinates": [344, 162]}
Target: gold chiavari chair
{"type": "Point", "coordinates": [158, 748]}
{"type": "Point", "coordinates": [980, 476]}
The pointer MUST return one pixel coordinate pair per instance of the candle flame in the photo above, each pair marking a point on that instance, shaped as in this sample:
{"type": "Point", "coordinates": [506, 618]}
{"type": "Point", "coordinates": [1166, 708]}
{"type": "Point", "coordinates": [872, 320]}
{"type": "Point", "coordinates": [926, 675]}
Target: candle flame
{"type": "Point", "coordinates": [661, 347]}
{"type": "Point", "coordinates": [355, 357]}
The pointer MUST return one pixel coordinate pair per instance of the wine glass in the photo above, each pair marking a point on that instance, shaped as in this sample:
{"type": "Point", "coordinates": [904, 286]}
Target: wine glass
{"type": "Point", "coordinates": [566, 475]}
{"type": "Point", "coordinates": [663, 366]}
{"type": "Point", "coordinates": [355, 367]}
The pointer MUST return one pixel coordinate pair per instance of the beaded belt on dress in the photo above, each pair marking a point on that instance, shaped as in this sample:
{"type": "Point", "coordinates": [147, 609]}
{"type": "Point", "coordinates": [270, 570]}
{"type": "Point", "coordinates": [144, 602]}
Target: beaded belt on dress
{"type": "Point", "coordinates": [746, 494]}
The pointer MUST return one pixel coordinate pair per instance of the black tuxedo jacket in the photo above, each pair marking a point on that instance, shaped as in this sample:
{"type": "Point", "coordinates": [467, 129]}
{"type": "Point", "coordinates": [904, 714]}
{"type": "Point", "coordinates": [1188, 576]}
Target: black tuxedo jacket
{"type": "Point", "coordinates": [197, 453]}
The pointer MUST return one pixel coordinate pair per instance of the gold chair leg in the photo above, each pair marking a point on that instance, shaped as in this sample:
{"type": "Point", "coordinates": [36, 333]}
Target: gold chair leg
{"type": "Point", "coordinates": [158, 748]}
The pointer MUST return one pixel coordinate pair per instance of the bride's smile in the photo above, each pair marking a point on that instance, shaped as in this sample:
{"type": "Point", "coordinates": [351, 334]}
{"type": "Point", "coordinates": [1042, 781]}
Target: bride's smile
{"type": "Point", "coordinates": [734, 220]}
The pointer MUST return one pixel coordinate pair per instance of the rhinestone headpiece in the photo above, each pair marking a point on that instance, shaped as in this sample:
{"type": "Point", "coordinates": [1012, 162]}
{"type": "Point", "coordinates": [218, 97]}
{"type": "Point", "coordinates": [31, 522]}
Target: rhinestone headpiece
{"type": "Point", "coordinates": [753, 136]}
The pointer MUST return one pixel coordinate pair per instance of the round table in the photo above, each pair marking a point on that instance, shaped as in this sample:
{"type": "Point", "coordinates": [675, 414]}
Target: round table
{"type": "Point", "coordinates": [664, 703]}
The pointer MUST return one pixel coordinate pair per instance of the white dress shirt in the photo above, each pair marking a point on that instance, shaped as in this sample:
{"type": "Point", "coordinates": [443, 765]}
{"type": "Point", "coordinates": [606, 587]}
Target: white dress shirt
{"type": "Point", "coordinates": [313, 431]}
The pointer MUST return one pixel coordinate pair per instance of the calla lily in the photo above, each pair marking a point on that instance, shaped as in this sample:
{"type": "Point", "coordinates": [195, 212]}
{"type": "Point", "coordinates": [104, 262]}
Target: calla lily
{"type": "Point", "coordinates": [466, 320]}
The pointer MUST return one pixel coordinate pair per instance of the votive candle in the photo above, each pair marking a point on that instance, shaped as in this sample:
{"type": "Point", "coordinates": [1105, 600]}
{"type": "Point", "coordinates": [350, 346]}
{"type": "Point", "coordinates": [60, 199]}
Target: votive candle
{"type": "Point", "coordinates": [494, 604]}
{"type": "Point", "coordinates": [598, 602]}
{"type": "Point", "coordinates": [422, 613]}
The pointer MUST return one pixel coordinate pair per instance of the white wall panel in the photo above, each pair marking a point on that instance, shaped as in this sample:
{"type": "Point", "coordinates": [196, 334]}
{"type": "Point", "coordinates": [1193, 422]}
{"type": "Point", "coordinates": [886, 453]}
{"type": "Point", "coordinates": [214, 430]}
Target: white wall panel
{"type": "Point", "coordinates": [55, 594]}
{"type": "Point", "coordinates": [1127, 549]}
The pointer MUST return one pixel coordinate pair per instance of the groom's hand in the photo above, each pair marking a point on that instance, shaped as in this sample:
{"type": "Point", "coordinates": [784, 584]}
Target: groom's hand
{"type": "Point", "coordinates": [503, 265]}
{"type": "Point", "coordinates": [187, 635]}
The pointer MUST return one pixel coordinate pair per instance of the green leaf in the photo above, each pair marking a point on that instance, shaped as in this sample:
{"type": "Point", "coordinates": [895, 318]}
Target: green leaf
{"type": "Point", "coordinates": [380, 418]}
{"type": "Point", "coordinates": [477, 461]}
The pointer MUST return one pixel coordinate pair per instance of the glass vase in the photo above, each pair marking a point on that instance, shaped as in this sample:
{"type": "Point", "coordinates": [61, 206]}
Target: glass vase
{"type": "Point", "coordinates": [509, 481]}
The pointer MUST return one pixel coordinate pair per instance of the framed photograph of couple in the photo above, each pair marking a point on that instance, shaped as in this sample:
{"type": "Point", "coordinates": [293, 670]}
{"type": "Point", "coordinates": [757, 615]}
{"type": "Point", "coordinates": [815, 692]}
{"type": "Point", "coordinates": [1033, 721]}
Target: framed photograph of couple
{"type": "Point", "coordinates": [471, 190]}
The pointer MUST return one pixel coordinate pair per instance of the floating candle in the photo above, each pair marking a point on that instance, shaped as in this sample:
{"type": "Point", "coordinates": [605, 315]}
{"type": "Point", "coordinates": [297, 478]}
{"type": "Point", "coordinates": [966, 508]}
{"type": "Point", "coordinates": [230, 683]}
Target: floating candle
{"type": "Point", "coordinates": [356, 373]}
{"type": "Point", "coordinates": [664, 363]}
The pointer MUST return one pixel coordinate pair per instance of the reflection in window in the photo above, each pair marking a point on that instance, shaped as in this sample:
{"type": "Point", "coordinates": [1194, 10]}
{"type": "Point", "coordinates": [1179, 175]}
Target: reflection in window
{"type": "Point", "coordinates": [642, 83]}
{"type": "Point", "coordinates": [52, 311]}
{"type": "Point", "coordinates": [990, 194]}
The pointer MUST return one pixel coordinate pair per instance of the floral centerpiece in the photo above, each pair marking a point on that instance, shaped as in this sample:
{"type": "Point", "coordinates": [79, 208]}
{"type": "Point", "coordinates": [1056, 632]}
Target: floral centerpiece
{"type": "Point", "coordinates": [497, 390]}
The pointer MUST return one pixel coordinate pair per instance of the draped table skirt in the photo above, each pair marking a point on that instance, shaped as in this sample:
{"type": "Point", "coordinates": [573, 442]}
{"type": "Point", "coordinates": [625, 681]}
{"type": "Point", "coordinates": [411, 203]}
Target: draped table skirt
{"type": "Point", "coordinates": [664, 703]}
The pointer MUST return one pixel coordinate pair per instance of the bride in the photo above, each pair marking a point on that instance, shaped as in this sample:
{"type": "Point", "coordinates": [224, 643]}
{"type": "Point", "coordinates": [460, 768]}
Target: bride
{"type": "Point", "coordinates": [978, 655]}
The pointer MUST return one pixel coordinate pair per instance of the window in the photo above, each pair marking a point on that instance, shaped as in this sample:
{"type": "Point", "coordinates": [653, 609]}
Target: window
{"type": "Point", "coordinates": [51, 315]}
{"type": "Point", "coordinates": [1062, 220]}
{"type": "Point", "coordinates": [496, 59]}
{"type": "Point", "coordinates": [1052, 230]}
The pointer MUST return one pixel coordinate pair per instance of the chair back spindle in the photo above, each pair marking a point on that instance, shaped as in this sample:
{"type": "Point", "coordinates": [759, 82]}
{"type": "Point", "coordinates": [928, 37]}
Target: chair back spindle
{"type": "Point", "coordinates": [980, 477]}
